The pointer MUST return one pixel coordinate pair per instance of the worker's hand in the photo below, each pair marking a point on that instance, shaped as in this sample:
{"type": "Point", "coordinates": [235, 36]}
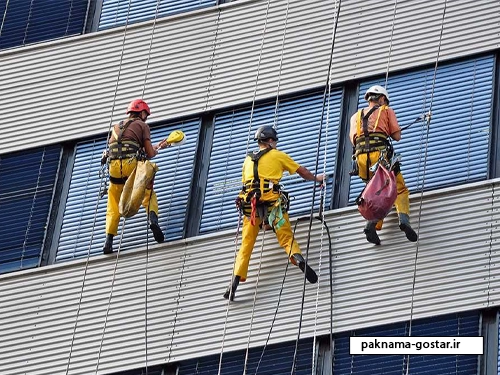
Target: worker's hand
{"type": "Point", "coordinates": [162, 144]}
{"type": "Point", "coordinates": [319, 177]}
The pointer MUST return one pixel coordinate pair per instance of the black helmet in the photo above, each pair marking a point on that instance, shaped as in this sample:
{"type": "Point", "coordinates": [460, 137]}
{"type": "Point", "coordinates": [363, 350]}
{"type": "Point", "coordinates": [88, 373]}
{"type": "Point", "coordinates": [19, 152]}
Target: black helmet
{"type": "Point", "coordinates": [265, 132]}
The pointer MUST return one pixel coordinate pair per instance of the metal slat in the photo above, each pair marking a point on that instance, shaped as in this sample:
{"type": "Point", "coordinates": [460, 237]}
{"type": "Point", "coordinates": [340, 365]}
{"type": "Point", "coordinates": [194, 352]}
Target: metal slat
{"type": "Point", "coordinates": [206, 79]}
{"type": "Point", "coordinates": [186, 280]}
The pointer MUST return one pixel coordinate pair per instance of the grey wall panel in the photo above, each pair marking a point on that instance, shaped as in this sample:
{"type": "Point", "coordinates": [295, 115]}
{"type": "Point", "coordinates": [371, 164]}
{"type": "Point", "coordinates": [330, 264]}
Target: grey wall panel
{"type": "Point", "coordinates": [206, 61]}
{"type": "Point", "coordinates": [186, 314]}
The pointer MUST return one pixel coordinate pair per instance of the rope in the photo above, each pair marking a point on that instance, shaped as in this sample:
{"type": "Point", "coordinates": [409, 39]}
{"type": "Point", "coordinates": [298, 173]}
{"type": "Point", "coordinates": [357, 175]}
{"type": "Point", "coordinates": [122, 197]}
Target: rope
{"type": "Point", "coordinates": [276, 105]}
{"type": "Point", "coordinates": [4, 16]}
{"type": "Point", "coordinates": [311, 216]}
{"type": "Point", "coordinates": [390, 44]}
{"type": "Point", "coordinates": [109, 298]}
{"type": "Point", "coordinates": [27, 23]}
{"type": "Point", "coordinates": [254, 299]}
{"type": "Point", "coordinates": [97, 201]}
{"type": "Point", "coordinates": [69, 17]}
{"type": "Point", "coordinates": [423, 183]}
{"type": "Point", "coordinates": [28, 227]}
{"type": "Point", "coordinates": [248, 144]}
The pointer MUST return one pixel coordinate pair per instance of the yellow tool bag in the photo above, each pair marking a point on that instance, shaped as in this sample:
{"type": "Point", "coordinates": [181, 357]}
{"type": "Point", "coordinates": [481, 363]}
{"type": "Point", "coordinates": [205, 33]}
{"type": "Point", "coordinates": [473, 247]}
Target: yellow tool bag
{"type": "Point", "coordinates": [135, 188]}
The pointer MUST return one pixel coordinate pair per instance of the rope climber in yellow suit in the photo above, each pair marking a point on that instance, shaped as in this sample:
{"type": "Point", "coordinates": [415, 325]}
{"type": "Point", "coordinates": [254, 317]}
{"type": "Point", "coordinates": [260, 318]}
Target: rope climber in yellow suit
{"type": "Point", "coordinates": [370, 130]}
{"type": "Point", "coordinates": [128, 138]}
{"type": "Point", "coordinates": [264, 203]}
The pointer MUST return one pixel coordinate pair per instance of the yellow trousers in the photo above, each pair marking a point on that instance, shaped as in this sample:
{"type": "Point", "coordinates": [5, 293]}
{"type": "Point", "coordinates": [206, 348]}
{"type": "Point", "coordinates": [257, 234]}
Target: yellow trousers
{"type": "Point", "coordinates": [402, 203]}
{"type": "Point", "coordinates": [120, 169]}
{"type": "Point", "coordinates": [249, 234]}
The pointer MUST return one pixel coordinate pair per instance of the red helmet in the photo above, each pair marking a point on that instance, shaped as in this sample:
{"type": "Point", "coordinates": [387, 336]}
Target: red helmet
{"type": "Point", "coordinates": [138, 105]}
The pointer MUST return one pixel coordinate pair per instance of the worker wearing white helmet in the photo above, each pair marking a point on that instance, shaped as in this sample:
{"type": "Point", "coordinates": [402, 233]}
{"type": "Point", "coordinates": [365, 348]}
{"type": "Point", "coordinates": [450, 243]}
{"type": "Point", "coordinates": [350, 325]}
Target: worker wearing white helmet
{"type": "Point", "coordinates": [378, 123]}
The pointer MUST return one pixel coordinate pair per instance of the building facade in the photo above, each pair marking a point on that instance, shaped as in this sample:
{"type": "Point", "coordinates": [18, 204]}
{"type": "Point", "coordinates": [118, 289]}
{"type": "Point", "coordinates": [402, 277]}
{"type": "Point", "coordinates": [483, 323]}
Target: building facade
{"type": "Point", "coordinates": [217, 71]}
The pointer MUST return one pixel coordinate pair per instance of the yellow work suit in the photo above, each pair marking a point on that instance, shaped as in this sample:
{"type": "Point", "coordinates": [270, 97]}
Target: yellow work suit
{"type": "Point", "coordinates": [270, 168]}
{"type": "Point", "coordinates": [402, 202]}
{"type": "Point", "coordinates": [119, 169]}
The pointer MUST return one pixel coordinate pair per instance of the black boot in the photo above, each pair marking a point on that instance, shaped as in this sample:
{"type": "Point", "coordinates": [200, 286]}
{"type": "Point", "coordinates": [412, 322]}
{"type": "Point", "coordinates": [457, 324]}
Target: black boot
{"type": "Point", "coordinates": [404, 225]}
{"type": "Point", "coordinates": [232, 290]}
{"type": "Point", "coordinates": [155, 227]}
{"type": "Point", "coordinates": [371, 232]}
{"type": "Point", "coordinates": [310, 274]}
{"type": "Point", "coordinates": [108, 245]}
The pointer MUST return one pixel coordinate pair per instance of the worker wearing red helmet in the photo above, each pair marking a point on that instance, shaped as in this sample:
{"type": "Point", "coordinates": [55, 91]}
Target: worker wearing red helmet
{"type": "Point", "coordinates": [128, 138]}
{"type": "Point", "coordinates": [263, 202]}
{"type": "Point", "coordinates": [378, 124]}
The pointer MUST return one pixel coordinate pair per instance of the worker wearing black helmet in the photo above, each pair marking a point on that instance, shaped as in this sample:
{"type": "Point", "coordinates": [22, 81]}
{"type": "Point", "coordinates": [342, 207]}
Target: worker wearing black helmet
{"type": "Point", "coordinates": [263, 203]}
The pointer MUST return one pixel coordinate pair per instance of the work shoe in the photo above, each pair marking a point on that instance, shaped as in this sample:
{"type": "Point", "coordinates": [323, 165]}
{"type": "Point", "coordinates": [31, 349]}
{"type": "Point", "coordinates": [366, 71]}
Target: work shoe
{"type": "Point", "coordinates": [404, 225]}
{"type": "Point", "coordinates": [299, 260]}
{"type": "Point", "coordinates": [108, 245]}
{"type": "Point", "coordinates": [232, 290]}
{"type": "Point", "coordinates": [371, 232]}
{"type": "Point", "coordinates": [155, 227]}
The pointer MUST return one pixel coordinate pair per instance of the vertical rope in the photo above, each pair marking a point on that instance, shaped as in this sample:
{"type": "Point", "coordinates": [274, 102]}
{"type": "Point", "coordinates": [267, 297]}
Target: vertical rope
{"type": "Point", "coordinates": [4, 16]}
{"type": "Point", "coordinates": [311, 216]}
{"type": "Point", "coordinates": [97, 201]}
{"type": "Point", "coordinates": [28, 23]}
{"type": "Point", "coordinates": [423, 182]}
{"type": "Point", "coordinates": [109, 299]}
{"type": "Point", "coordinates": [69, 17]}
{"type": "Point", "coordinates": [390, 44]}
{"type": "Point", "coordinates": [28, 227]}
{"type": "Point", "coordinates": [248, 144]}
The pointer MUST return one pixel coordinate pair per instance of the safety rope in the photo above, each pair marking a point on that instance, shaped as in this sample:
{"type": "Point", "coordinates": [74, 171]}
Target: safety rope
{"type": "Point", "coordinates": [390, 43]}
{"type": "Point", "coordinates": [277, 103]}
{"type": "Point", "coordinates": [254, 300]}
{"type": "Point", "coordinates": [28, 226]}
{"type": "Point", "coordinates": [109, 298]}
{"type": "Point", "coordinates": [101, 190]}
{"type": "Point", "coordinates": [326, 92]}
{"type": "Point", "coordinates": [69, 17]}
{"type": "Point", "coordinates": [28, 23]}
{"type": "Point", "coordinates": [423, 183]}
{"type": "Point", "coordinates": [246, 152]}
{"type": "Point", "coordinates": [4, 16]}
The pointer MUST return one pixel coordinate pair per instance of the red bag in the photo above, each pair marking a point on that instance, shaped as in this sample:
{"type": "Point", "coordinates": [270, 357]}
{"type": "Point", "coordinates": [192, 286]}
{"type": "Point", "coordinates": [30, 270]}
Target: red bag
{"type": "Point", "coordinates": [377, 198]}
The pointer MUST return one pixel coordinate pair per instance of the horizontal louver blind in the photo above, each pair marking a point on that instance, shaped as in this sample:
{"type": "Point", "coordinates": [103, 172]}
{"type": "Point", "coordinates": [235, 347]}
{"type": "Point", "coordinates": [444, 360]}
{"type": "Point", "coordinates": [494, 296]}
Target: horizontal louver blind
{"type": "Point", "coordinates": [26, 190]}
{"type": "Point", "coordinates": [459, 133]}
{"type": "Point", "coordinates": [114, 12]}
{"type": "Point", "coordinates": [277, 360]}
{"type": "Point", "coordinates": [28, 21]}
{"type": "Point", "coordinates": [298, 126]}
{"type": "Point", "coordinates": [84, 217]}
{"type": "Point", "coordinates": [461, 324]}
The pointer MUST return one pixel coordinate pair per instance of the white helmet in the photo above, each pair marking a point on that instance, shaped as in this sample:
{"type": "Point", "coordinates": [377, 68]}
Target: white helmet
{"type": "Point", "coordinates": [377, 90]}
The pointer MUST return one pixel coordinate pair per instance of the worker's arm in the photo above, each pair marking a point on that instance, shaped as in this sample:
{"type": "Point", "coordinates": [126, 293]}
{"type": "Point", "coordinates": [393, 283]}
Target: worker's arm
{"type": "Point", "coordinates": [394, 128]}
{"type": "Point", "coordinates": [353, 128]}
{"type": "Point", "coordinates": [307, 175]}
{"type": "Point", "coordinates": [151, 151]}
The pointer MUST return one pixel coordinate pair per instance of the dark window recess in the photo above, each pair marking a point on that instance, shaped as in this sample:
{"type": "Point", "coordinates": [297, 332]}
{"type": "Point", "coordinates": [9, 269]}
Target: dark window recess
{"type": "Point", "coordinates": [30, 21]}
{"type": "Point", "coordinates": [459, 132]}
{"type": "Point", "coordinates": [277, 360]}
{"type": "Point", "coordinates": [84, 218]}
{"type": "Point", "coordinates": [298, 122]}
{"type": "Point", "coordinates": [460, 324]}
{"type": "Point", "coordinates": [26, 190]}
{"type": "Point", "coordinates": [114, 12]}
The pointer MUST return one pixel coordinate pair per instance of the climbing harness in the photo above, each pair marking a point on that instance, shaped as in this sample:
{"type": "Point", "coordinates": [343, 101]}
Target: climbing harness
{"type": "Point", "coordinates": [428, 121]}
